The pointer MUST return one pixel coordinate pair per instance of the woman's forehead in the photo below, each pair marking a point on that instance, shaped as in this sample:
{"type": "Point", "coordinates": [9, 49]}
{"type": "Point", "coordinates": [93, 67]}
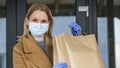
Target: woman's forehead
{"type": "Point", "coordinates": [39, 14]}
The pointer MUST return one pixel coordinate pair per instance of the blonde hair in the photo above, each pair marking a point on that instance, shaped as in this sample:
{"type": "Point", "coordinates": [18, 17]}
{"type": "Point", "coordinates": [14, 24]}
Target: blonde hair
{"type": "Point", "coordinates": [41, 7]}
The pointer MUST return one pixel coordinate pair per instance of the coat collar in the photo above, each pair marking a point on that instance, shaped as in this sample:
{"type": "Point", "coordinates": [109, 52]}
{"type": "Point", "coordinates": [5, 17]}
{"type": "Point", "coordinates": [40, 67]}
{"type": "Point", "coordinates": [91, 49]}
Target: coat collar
{"type": "Point", "coordinates": [36, 54]}
{"type": "Point", "coordinates": [28, 42]}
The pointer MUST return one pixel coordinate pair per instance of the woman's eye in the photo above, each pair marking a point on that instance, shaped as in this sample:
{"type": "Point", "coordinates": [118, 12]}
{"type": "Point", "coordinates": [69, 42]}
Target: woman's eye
{"type": "Point", "coordinates": [35, 20]}
{"type": "Point", "coordinates": [44, 21]}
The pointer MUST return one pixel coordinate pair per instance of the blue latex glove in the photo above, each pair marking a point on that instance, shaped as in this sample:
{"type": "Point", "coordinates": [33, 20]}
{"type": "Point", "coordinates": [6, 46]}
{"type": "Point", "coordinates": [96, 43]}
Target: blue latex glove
{"type": "Point", "coordinates": [75, 29]}
{"type": "Point", "coordinates": [60, 65]}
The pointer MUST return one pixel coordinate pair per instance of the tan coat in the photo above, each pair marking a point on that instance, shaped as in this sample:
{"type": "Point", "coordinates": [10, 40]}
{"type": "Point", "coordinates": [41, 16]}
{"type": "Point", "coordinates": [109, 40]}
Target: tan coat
{"type": "Point", "coordinates": [28, 54]}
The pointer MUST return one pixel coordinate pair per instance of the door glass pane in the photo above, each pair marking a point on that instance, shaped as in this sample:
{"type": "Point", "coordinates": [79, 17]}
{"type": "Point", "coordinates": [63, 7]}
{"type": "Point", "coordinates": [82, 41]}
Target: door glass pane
{"type": "Point", "coordinates": [103, 40]}
{"type": "Point", "coordinates": [61, 24]}
{"type": "Point", "coordinates": [117, 31]}
{"type": "Point", "coordinates": [103, 31]}
{"type": "Point", "coordinates": [2, 34]}
{"type": "Point", "coordinates": [58, 7]}
{"type": "Point", "coordinates": [117, 41]}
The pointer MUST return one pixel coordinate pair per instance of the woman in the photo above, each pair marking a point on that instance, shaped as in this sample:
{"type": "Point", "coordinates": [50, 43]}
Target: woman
{"type": "Point", "coordinates": [34, 49]}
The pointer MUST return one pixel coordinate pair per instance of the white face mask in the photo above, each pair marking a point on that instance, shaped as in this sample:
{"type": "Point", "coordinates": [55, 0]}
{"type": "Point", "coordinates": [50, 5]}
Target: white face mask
{"type": "Point", "coordinates": [38, 29]}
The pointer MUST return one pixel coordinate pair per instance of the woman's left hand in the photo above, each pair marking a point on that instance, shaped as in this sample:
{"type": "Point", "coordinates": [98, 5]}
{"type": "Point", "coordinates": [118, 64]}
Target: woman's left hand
{"type": "Point", "coordinates": [75, 29]}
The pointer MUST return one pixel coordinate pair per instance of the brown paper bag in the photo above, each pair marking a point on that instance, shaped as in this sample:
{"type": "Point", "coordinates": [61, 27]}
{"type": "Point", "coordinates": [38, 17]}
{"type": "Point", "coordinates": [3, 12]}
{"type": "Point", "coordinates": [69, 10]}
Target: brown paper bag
{"type": "Point", "coordinates": [77, 51]}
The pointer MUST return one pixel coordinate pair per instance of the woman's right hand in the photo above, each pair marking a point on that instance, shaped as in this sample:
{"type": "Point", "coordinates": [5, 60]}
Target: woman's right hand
{"type": "Point", "coordinates": [60, 65]}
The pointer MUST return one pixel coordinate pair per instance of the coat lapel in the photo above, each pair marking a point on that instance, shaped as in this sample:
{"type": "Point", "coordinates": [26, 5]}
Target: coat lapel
{"type": "Point", "coordinates": [35, 53]}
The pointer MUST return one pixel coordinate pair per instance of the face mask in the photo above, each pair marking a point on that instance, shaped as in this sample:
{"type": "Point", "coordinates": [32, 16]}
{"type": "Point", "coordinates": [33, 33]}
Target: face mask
{"type": "Point", "coordinates": [38, 29]}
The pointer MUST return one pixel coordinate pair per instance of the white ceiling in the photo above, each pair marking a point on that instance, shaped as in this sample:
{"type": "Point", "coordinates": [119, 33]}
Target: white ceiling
{"type": "Point", "coordinates": [3, 2]}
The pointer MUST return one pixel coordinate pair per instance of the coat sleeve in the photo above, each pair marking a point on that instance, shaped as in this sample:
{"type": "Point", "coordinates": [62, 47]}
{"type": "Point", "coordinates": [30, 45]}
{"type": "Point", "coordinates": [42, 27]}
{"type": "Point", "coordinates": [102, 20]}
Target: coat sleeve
{"type": "Point", "coordinates": [17, 58]}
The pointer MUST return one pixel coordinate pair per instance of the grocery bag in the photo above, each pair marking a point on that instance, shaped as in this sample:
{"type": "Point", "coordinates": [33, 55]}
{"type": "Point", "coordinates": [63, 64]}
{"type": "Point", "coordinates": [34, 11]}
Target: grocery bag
{"type": "Point", "coordinates": [77, 51]}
